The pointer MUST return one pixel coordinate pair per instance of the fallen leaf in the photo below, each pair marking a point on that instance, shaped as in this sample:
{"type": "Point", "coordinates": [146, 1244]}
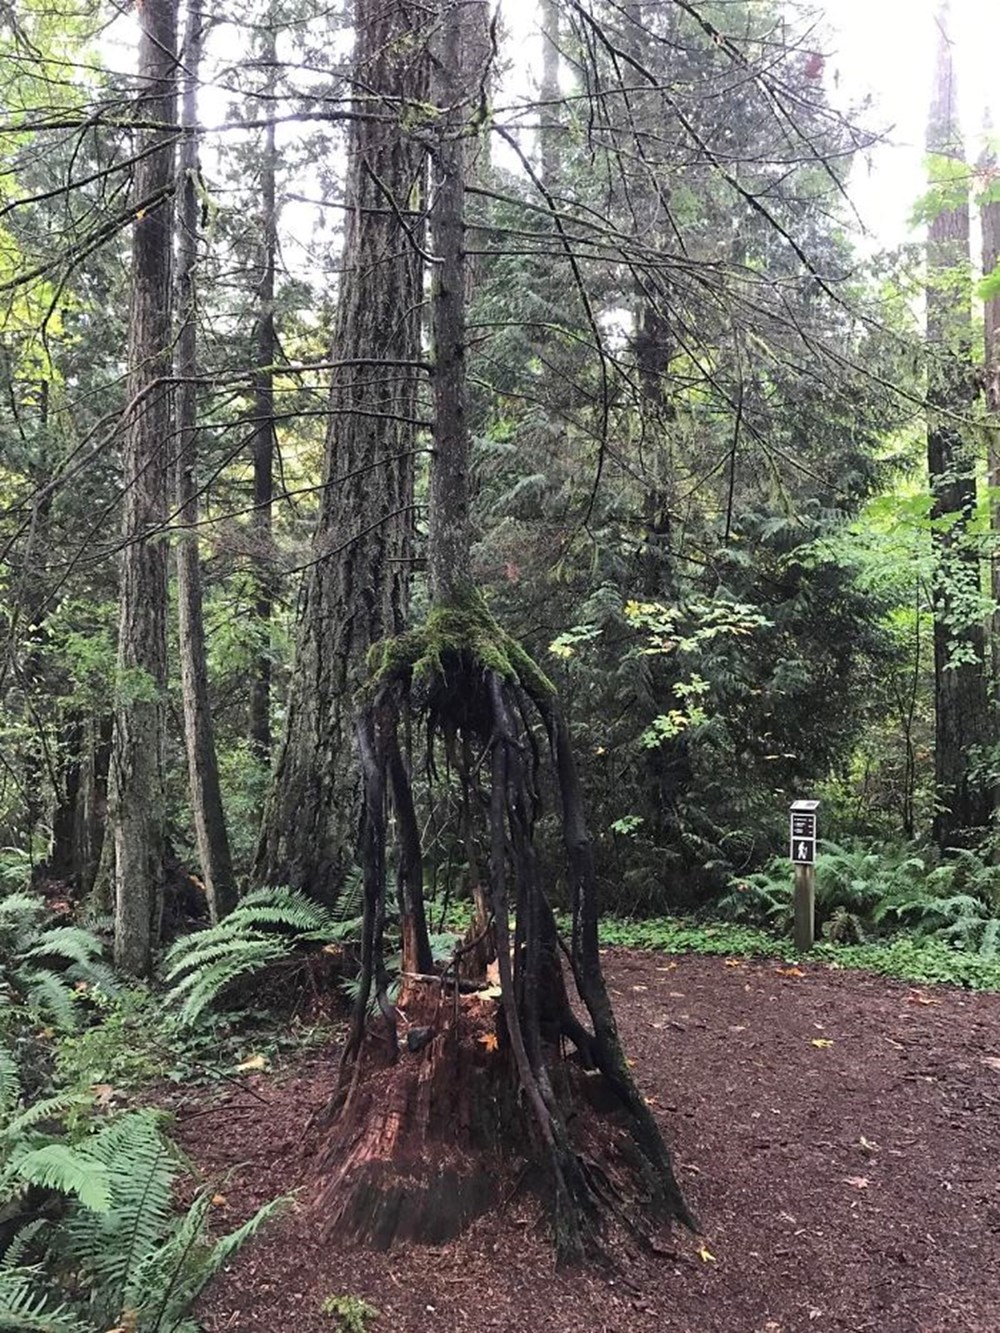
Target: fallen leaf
{"type": "Point", "coordinates": [733, 962]}
{"type": "Point", "coordinates": [669, 968]}
{"type": "Point", "coordinates": [104, 1093]}
{"type": "Point", "coordinates": [918, 997]}
{"type": "Point", "coordinates": [856, 1182]}
{"type": "Point", "coordinates": [867, 1145]}
{"type": "Point", "coordinates": [254, 1062]}
{"type": "Point", "coordinates": [493, 972]}
{"type": "Point", "coordinates": [821, 1043]}
{"type": "Point", "coordinates": [219, 1201]}
{"type": "Point", "coordinates": [640, 988]}
{"type": "Point", "coordinates": [706, 1256]}
{"type": "Point", "coordinates": [489, 1040]}
{"type": "Point", "coordinates": [789, 971]}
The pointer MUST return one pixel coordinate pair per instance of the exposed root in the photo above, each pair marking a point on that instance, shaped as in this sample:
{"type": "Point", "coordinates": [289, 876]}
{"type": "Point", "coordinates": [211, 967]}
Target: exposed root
{"type": "Point", "coordinates": [440, 1091]}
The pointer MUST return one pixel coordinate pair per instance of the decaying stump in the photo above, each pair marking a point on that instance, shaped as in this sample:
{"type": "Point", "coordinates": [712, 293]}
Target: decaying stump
{"type": "Point", "coordinates": [444, 1089]}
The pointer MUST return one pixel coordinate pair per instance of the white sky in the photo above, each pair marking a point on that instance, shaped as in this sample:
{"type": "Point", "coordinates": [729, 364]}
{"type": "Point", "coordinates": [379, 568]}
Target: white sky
{"type": "Point", "coordinates": [878, 48]}
{"type": "Point", "coordinates": [886, 48]}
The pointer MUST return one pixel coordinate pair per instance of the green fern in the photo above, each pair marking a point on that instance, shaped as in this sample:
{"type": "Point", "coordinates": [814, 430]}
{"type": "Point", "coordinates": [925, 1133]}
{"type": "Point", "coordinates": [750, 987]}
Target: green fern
{"type": "Point", "coordinates": [267, 926]}
{"type": "Point", "coordinates": [141, 1173]}
{"type": "Point", "coordinates": [10, 1083]}
{"type": "Point", "coordinates": [25, 1308]}
{"type": "Point", "coordinates": [30, 1155]}
{"type": "Point", "coordinates": [57, 1166]}
{"type": "Point", "coordinates": [45, 967]}
{"type": "Point", "coordinates": [24, 1238]}
{"type": "Point", "coordinates": [137, 1261]}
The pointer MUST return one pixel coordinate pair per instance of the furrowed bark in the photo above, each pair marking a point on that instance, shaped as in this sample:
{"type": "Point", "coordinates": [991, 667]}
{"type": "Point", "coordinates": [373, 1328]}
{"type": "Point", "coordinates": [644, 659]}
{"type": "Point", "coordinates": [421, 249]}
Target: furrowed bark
{"type": "Point", "coordinates": [264, 429]}
{"type": "Point", "coordinates": [355, 592]}
{"type": "Point", "coordinates": [137, 779]}
{"type": "Point", "coordinates": [211, 836]}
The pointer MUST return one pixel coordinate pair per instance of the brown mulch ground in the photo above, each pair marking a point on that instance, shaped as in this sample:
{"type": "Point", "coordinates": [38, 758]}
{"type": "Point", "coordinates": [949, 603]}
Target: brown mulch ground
{"type": "Point", "coordinates": [838, 1134]}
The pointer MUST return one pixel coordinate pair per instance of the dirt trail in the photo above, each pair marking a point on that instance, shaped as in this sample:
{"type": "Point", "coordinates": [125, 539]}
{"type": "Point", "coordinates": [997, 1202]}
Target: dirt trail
{"type": "Point", "coordinates": [838, 1134]}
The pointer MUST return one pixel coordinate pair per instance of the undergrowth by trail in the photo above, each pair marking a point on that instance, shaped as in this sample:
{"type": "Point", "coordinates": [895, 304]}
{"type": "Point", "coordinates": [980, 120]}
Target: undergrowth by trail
{"type": "Point", "coordinates": [920, 961]}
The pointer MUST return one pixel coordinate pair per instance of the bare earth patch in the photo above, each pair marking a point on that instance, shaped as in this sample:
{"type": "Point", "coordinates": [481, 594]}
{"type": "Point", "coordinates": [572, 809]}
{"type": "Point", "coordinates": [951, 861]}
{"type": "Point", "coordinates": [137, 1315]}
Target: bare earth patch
{"type": "Point", "coordinates": [838, 1135]}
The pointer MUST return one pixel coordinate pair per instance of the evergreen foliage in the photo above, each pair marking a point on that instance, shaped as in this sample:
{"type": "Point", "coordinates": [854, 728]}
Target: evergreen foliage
{"type": "Point", "coordinates": [122, 1257]}
{"type": "Point", "coordinates": [266, 927]}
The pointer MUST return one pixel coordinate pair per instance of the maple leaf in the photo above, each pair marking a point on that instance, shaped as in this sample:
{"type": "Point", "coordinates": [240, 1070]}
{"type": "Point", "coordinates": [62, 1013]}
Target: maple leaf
{"type": "Point", "coordinates": [104, 1093]}
{"type": "Point", "coordinates": [253, 1062]}
{"type": "Point", "coordinates": [219, 1201]}
{"type": "Point", "coordinates": [733, 962]}
{"type": "Point", "coordinates": [821, 1043]}
{"type": "Point", "coordinates": [489, 1040]}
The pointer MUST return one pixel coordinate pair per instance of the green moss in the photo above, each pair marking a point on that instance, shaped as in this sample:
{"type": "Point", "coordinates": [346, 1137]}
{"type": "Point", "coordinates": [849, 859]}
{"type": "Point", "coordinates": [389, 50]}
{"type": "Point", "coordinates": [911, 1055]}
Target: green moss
{"type": "Point", "coordinates": [468, 628]}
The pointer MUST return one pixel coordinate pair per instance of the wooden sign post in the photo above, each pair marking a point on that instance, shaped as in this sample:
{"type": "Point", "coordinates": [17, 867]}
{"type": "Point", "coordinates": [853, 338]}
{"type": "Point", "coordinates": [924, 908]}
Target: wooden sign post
{"type": "Point", "coordinates": [802, 851]}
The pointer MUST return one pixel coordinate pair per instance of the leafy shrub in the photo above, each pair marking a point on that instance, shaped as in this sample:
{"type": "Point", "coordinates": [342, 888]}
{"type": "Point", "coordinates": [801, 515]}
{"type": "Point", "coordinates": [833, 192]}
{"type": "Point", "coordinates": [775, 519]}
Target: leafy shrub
{"type": "Point", "coordinates": [853, 885]}
{"type": "Point", "coordinates": [352, 1314]}
{"type": "Point", "coordinates": [919, 961]}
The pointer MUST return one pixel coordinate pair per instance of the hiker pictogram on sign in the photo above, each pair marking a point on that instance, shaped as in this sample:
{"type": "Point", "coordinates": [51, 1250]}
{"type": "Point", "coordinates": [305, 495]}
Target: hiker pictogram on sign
{"type": "Point", "coordinates": [804, 851]}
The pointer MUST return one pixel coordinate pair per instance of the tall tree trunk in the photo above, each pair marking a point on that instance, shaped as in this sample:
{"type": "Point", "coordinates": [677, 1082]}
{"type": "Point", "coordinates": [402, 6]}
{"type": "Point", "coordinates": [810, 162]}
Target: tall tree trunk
{"type": "Point", "coordinates": [440, 1089]}
{"type": "Point", "coordinates": [549, 93]}
{"type": "Point", "coordinates": [960, 694]}
{"type": "Point", "coordinates": [449, 539]}
{"type": "Point", "coordinates": [264, 429]}
{"type": "Point", "coordinates": [203, 769]}
{"type": "Point", "coordinates": [989, 217]}
{"type": "Point", "coordinates": [137, 779]}
{"type": "Point", "coordinates": [355, 591]}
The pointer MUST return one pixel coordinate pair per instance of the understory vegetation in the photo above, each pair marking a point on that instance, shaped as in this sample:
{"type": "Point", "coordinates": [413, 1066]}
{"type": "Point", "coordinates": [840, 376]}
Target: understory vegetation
{"type": "Point", "coordinates": [463, 475]}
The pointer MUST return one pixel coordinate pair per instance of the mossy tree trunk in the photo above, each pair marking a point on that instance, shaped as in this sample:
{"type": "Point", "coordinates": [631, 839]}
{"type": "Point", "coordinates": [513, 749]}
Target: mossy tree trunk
{"type": "Point", "coordinates": [355, 591]}
{"type": "Point", "coordinates": [452, 1080]}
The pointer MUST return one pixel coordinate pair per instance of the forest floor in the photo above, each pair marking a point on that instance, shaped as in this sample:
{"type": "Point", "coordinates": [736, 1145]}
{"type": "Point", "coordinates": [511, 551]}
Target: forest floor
{"type": "Point", "coordinates": [838, 1135]}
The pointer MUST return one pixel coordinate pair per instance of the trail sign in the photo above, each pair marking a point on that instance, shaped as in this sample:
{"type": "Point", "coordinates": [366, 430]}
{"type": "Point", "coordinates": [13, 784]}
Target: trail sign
{"type": "Point", "coordinates": [803, 824]}
{"type": "Point", "coordinates": [802, 835]}
{"type": "Point", "coordinates": [802, 832]}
